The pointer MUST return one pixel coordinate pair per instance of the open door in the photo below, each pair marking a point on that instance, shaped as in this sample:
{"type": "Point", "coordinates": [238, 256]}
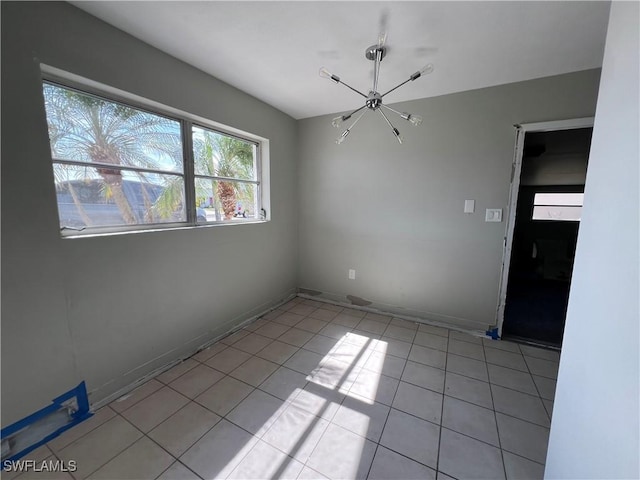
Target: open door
{"type": "Point", "coordinates": [544, 217]}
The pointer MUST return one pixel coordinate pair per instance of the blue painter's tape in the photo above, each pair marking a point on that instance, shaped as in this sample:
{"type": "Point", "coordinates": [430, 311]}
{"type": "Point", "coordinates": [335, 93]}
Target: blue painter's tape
{"type": "Point", "coordinates": [493, 333]}
{"type": "Point", "coordinates": [81, 414]}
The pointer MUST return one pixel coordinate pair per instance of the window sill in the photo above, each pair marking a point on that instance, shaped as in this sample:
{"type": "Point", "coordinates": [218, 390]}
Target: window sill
{"type": "Point", "coordinates": [110, 233]}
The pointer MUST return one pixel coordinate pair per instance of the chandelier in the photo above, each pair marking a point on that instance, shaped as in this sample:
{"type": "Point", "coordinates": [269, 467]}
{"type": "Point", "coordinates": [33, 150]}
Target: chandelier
{"type": "Point", "coordinates": [373, 101]}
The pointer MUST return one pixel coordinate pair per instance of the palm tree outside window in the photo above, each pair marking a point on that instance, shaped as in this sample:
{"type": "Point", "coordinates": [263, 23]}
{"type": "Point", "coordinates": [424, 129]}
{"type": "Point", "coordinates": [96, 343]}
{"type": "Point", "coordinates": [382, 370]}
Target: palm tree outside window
{"type": "Point", "coordinates": [119, 166]}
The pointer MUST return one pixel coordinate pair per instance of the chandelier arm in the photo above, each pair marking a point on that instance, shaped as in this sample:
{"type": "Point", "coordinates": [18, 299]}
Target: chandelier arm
{"type": "Point", "coordinates": [351, 88]}
{"type": "Point", "coordinates": [348, 130]}
{"type": "Point", "coordinates": [397, 86]}
{"type": "Point", "coordinates": [393, 110]}
{"type": "Point", "coordinates": [386, 119]}
{"type": "Point", "coordinates": [415, 120]}
{"type": "Point", "coordinates": [343, 118]}
{"type": "Point", "coordinates": [357, 119]}
{"type": "Point", "coordinates": [355, 111]}
{"type": "Point", "coordinates": [395, 131]}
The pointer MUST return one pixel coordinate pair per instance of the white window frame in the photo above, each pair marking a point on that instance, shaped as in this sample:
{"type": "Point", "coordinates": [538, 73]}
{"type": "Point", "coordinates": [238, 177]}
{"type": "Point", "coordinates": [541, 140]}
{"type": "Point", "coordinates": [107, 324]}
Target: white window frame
{"type": "Point", "coordinates": [257, 182]}
{"type": "Point", "coordinates": [187, 122]}
{"type": "Point", "coordinates": [568, 204]}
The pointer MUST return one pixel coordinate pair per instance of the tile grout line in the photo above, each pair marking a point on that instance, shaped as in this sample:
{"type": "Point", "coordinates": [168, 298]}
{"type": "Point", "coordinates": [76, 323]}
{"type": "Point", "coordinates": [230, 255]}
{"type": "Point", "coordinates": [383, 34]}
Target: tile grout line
{"type": "Point", "coordinates": [384, 426]}
{"type": "Point", "coordinates": [176, 459]}
{"type": "Point", "coordinates": [489, 381]}
{"type": "Point", "coordinates": [110, 458]}
{"type": "Point", "coordinates": [466, 434]}
{"type": "Point", "coordinates": [375, 452]}
{"type": "Point", "coordinates": [495, 417]}
{"type": "Point", "coordinates": [126, 448]}
{"type": "Point", "coordinates": [444, 386]}
{"type": "Point", "coordinates": [325, 405]}
{"type": "Point", "coordinates": [81, 436]}
{"type": "Point", "coordinates": [537, 390]}
{"type": "Point", "coordinates": [172, 464]}
{"type": "Point", "coordinates": [258, 439]}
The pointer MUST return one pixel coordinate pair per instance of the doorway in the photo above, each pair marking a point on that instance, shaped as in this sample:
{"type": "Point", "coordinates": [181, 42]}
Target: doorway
{"type": "Point", "coordinates": [547, 196]}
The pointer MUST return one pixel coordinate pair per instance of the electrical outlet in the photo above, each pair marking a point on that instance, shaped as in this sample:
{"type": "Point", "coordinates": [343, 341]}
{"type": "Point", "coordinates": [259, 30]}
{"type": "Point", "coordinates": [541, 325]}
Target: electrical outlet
{"type": "Point", "coordinates": [352, 274]}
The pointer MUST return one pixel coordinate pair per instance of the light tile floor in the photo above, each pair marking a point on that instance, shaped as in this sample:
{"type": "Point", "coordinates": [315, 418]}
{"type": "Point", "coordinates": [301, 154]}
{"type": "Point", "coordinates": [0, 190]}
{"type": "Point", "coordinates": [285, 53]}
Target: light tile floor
{"type": "Point", "coordinates": [313, 391]}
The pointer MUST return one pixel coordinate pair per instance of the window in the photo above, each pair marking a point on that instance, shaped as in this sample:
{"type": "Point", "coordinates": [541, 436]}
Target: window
{"type": "Point", "coordinates": [118, 167]}
{"type": "Point", "coordinates": [226, 176]}
{"type": "Point", "coordinates": [113, 164]}
{"type": "Point", "coordinates": [557, 206]}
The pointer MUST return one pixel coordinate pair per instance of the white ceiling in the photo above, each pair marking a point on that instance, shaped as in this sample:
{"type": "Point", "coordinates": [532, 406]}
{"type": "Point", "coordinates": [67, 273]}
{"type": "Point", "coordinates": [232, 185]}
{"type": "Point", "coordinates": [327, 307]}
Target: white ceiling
{"type": "Point", "coordinates": [273, 50]}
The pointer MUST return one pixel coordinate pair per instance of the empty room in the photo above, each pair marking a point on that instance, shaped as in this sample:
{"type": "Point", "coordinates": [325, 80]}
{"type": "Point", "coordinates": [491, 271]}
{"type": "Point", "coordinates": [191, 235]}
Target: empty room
{"type": "Point", "coordinates": [320, 240]}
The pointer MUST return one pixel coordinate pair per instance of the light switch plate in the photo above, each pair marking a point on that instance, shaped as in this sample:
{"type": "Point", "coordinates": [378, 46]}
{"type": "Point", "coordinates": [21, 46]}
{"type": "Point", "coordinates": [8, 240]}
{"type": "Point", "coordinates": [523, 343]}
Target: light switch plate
{"type": "Point", "coordinates": [469, 206]}
{"type": "Point", "coordinates": [493, 215]}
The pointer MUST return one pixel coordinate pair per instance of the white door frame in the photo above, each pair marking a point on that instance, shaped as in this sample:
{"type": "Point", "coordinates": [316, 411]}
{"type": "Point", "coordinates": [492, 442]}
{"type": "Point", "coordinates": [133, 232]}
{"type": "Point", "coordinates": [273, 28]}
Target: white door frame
{"type": "Point", "coordinates": [516, 170]}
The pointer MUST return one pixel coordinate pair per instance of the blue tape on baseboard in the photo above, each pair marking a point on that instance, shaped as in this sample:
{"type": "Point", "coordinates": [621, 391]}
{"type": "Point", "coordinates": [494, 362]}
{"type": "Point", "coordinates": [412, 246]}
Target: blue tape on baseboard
{"type": "Point", "coordinates": [493, 333]}
{"type": "Point", "coordinates": [80, 415]}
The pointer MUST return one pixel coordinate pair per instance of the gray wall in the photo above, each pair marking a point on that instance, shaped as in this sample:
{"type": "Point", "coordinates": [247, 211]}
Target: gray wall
{"type": "Point", "coordinates": [109, 310]}
{"type": "Point", "coordinates": [395, 212]}
{"type": "Point", "coordinates": [596, 426]}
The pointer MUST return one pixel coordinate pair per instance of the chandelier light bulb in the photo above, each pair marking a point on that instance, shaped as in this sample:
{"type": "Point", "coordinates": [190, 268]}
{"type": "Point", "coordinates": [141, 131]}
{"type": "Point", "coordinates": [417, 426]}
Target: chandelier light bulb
{"type": "Point", "coordinates": [337, 121]}
{"type": "Point", "coordinates": [416, 120]}
{"type": "Point", "coordinates": [324, 73]}
{"type": "Point", "coordinates": [343, 136]}
{"type": "Point", "coordinates": [428, 68]}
